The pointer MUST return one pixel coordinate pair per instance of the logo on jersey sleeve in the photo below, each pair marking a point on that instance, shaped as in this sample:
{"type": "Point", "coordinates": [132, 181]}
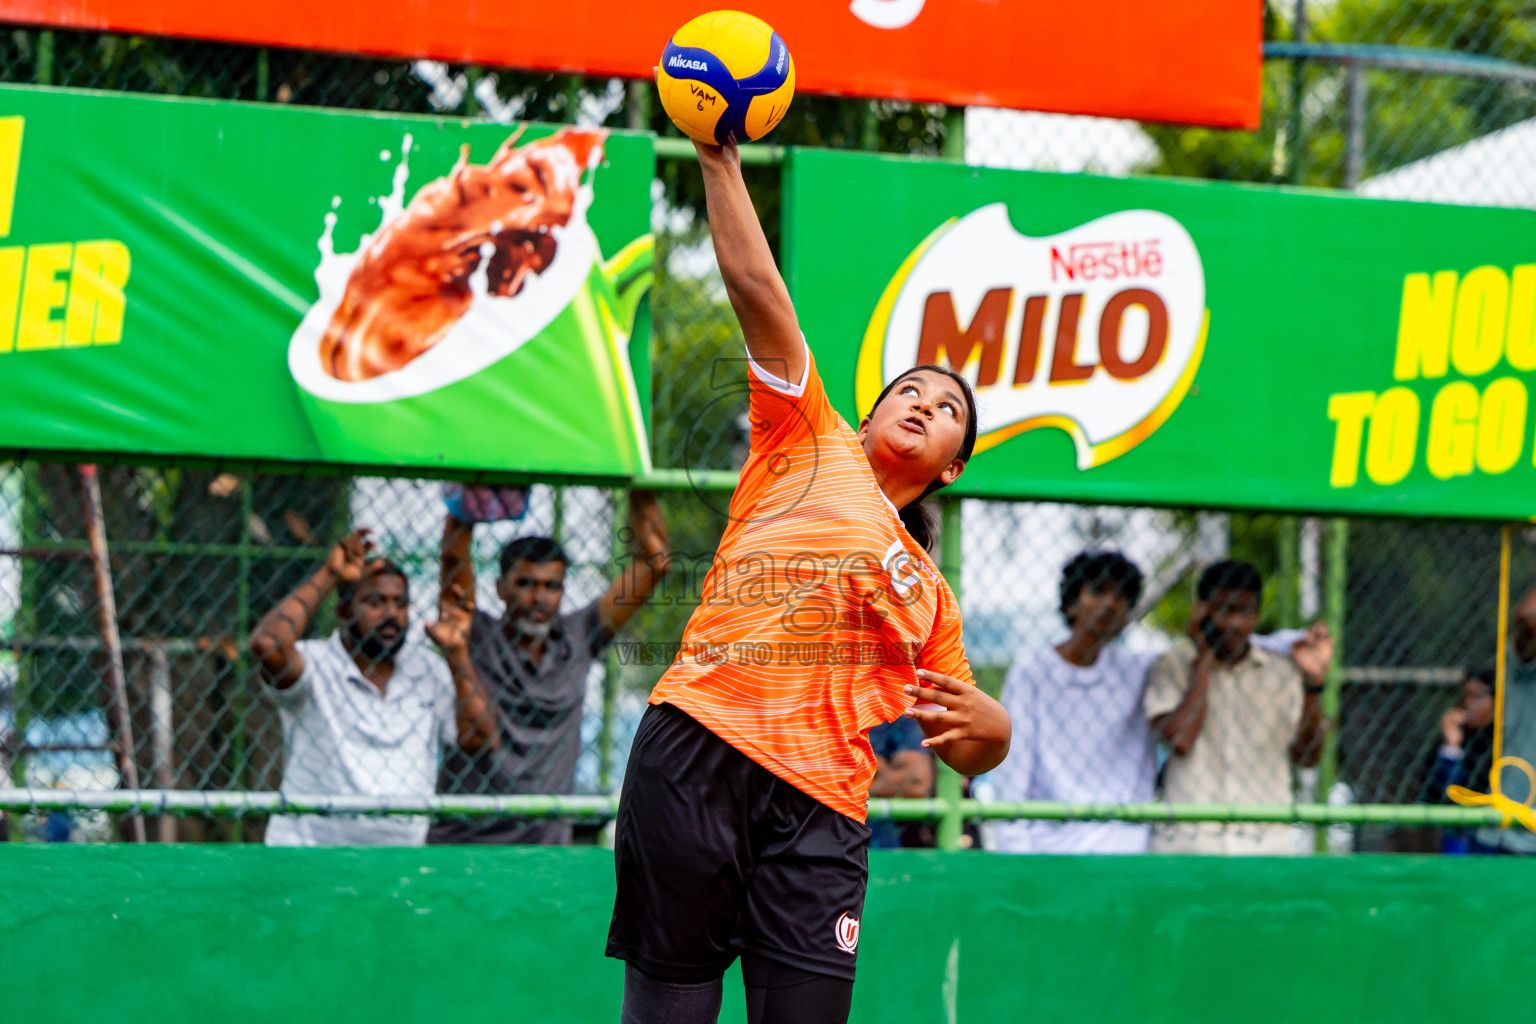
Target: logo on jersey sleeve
{"type": "Point", "coordinates": [848, 933]}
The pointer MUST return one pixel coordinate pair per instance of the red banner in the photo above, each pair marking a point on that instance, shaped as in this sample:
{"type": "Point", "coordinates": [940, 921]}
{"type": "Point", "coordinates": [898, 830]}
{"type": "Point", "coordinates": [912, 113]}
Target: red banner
{"type": "Point", "coordinates": [1194, 61]}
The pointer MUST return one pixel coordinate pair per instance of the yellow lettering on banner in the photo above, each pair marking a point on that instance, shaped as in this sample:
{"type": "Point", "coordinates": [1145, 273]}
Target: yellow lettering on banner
{"type": "Point", "coordinates": [1482, 313]}
{"type": "Point", "coordinates": [1501, 425]}
{"type": "Point", "coordinates": [12, 258]}
{"type": "Point", "coordinates": [1520, 345]}
{"type": "Point", "coordinates": [1394, 437]}
{"type": "Point", "coordinates": [1350, 411]}
{"type": "Point", "coordinates": [1424, 326]}
{"type": "Point", "coordinates": [96, 297]}
{"type": "Point", "coordinates": [41, 293]}
{"type": "Point", "coordinates": [10, 163]}
{"type": "Point", "coordinates": [1452, 442]}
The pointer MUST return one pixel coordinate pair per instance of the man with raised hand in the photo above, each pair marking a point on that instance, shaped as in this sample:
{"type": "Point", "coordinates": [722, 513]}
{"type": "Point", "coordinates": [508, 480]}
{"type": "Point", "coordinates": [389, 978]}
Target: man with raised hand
{"type": "Point", "coordinates": [1235, 716]}
{"type": "Point", "coordinates": [535, 663]}
{"type": "Point", "coordinates": [365, 710]}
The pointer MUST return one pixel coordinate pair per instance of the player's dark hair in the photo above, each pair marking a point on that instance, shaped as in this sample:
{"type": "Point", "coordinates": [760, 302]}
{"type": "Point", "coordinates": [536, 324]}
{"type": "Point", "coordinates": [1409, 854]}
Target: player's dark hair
{"type": "Point", "coordinates": [1098, 570]}
{"type": "Point", "coordinates": [347, 590]}
{"type": "Point", "coordinates": [538, 550]}
{"type": "Point", "coordinates": [916, 516]}
{"type": "Point", "coordinates": [1232, 574]}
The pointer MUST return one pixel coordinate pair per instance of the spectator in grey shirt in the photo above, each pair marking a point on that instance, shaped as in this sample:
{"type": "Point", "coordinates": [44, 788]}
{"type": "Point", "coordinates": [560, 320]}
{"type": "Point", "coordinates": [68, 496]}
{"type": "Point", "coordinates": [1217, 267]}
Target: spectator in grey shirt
{"type": "Point", "coordinates": [534, 664]}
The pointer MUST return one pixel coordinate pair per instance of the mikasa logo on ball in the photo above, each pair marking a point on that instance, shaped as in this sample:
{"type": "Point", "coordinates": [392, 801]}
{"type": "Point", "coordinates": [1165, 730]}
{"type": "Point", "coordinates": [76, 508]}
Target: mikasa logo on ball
{"type": "Point", "coordinates": [1097, 331]}
{"type": "Point", "coordinates": [684, 62]}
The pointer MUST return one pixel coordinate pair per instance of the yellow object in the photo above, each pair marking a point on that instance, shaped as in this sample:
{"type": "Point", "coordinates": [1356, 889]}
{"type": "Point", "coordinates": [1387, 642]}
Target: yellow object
{"type": "Point", "coordinates": [726, 77]}
{"type": "Point", "coordinates": [1524, 813]}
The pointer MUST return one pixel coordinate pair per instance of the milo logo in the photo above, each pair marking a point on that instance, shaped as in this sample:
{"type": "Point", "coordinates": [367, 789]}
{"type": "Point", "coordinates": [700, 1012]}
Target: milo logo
{"type": "Point", "coordinates": [1097, 331]}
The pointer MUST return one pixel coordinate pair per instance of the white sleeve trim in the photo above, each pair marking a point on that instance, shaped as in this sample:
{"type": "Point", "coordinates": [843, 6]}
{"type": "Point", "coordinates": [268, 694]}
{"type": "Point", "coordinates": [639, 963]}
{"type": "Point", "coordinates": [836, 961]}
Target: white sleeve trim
{"type": "Point", "coordinates": [779, 384]}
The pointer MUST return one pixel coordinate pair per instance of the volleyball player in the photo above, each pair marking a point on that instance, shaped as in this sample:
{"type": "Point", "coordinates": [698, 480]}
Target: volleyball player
{"type": "Point", "coordinates": [741, 824]}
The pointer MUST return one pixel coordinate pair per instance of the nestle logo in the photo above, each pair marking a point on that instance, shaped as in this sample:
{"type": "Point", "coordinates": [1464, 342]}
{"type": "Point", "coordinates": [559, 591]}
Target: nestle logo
{"type": "Point", "coordinates": [1091, 261]}
{"type": "Point", "coordinates": [684, 62]}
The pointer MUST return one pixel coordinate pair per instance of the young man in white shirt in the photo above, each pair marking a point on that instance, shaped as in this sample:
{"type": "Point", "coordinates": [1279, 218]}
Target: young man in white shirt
{"type": "Point", "coordinates": [1080, 728]}
{"type": "Point", "coordinates": [1079, 734]}
{"type": "Point", "coordinates": [364, 712]}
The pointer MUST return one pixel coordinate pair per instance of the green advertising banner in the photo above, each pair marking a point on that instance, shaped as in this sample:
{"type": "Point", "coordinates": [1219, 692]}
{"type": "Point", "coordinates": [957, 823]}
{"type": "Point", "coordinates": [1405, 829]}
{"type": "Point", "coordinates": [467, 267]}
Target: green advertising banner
{"type": "Point", "coordinates": [1165, 342]}
{"type": "Point", "coordinates": [255, 282]}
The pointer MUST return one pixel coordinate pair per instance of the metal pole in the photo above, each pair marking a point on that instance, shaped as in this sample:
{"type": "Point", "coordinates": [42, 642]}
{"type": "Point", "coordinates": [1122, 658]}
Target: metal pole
{"type": "Point", "coordinates": [638, 117]}
{"type": "Point", "coordinates": [119, 716]}
{"type": "Point", "coordinates": [557, 527]}
{"type": "Point", "coordinates": [947, 782]}
{"type": "Point", "coordinates": [163, 730]}
{"type": "Point", "coordinates": [1298, 86]}
{"type": "Point", "coordinates": [1354, 150]}
{"type": "Point", "coordinates": [618, 548]}
{"type": "Point", "coordinates": [25, 630]}
{"type": "Point", "coordinates": [1288, 585]}
{"type": "Point", "coordinates": [239, 707]}
{"type": "Point", "coordinates": [954, 134]}
{"type": "Point", "coordinates": [263, 74]}
{"type": "Point", "coordinates": [1333, 612]}
{"type": "Point", "coordinates": [45, 58]}
{"type": "Point", "coordinates": [472, 76]}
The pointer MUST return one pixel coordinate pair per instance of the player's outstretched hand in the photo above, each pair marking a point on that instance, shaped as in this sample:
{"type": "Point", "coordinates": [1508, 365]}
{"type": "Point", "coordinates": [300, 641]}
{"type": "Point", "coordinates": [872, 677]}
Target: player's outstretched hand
{"type": "Point", "coordinates": [969, 730]}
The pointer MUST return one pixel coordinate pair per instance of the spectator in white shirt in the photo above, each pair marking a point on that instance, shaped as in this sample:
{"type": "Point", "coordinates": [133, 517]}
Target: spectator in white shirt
{"type": "Point", "coordinates": [1078, 709]}
{"type": "Point", "coordinates": [1079, 732]}
{"type": "Point", "coordinates": [364, 712]}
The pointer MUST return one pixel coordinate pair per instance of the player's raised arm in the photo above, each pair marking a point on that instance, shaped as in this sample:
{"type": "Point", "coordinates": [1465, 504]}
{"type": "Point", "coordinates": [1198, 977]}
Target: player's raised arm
{"type": "Point", "coordinates": [752, 281]}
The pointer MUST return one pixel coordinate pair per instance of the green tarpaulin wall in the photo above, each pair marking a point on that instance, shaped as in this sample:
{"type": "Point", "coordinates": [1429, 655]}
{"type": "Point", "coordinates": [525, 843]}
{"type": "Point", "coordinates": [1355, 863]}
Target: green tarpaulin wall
{"type": "Point", "coordinates": [197, 934]}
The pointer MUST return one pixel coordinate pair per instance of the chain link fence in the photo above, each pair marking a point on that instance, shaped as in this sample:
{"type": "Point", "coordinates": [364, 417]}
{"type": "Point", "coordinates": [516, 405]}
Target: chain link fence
{"type": "Point", "coordinates": [1429, 100]}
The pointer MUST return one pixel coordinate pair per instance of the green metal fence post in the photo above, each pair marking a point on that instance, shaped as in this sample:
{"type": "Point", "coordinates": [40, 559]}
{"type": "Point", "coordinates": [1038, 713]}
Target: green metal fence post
{"type": "Point", "coordinates": [472, 76]}
{"type": "Point", "coordinates": [947, 781]}
{"type": "Point", "coordinates": [1333, 612]}
{"type": "Point", "coordinates": [25, 630]}
{"type": "Point", "coordinates": [1288, 576]}
{"type": "Point", "coordinates": [954, 134]}
{"type": "Point", "coordinates": [239, 706]}
{"type": "Point", "coordinates": [610, 664]}
{"type": "Point", "coordinates": [263, 74]}
{"type": "Point", "coordinates": [45, 58]}
{"type": "Point", "coordinates": [1295, 149]}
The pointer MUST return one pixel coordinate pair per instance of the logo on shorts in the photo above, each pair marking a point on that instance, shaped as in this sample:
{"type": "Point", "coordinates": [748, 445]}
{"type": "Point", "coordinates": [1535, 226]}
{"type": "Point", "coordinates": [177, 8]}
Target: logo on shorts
{"type": "Point", "coordinates": [848, 933]}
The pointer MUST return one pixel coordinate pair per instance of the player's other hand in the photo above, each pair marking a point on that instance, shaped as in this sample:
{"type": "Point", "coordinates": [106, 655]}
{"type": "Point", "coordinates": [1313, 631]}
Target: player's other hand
{"type": "Point", "coordinates": [969, 730]}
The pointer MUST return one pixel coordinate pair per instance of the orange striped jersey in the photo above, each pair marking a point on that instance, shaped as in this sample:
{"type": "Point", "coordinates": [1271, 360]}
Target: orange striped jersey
{"type": "Point", "coordinates": [818, 608]}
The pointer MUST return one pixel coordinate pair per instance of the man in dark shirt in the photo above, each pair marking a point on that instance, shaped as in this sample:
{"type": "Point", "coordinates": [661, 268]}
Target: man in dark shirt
{"type": "Point", "coordinates": [534, 663]}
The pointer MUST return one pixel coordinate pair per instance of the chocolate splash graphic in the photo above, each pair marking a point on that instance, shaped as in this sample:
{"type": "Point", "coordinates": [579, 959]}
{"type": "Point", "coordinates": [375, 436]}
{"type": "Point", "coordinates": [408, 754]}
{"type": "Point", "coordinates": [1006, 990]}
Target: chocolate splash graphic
{"type": "Point", "coordinates": [412, 283]}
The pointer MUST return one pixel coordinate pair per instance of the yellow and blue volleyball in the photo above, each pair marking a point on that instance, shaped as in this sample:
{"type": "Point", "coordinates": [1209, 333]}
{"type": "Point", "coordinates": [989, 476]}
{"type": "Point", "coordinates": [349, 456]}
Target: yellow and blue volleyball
{"type": "Point", "coordinates": [726, 77]}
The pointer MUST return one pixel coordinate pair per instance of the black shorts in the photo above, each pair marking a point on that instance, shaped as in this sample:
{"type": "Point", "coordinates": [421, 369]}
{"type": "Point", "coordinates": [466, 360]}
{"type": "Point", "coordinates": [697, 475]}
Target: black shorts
{"type": "Point", "coordinates": [716, 856]}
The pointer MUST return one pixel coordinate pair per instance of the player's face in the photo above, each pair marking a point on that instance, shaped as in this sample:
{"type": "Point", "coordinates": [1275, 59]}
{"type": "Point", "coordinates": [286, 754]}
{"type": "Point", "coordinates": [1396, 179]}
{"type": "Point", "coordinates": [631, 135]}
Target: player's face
{"type": "Point", "coordinates": [921, 420]}
{"type": "Point", "coordinates": [532, 591]}
{"type": "Point", "coordinates": [378, 615]}
{"type": "Point", "coordinates": [1236, 613]}
{"type": "Point", "coordinates": [1100, 611]}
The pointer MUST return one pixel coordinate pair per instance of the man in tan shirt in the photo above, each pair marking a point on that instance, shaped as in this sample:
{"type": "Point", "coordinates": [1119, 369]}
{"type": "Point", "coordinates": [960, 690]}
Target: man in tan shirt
{"type": "Point", "coordinates": [1235, 717]}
